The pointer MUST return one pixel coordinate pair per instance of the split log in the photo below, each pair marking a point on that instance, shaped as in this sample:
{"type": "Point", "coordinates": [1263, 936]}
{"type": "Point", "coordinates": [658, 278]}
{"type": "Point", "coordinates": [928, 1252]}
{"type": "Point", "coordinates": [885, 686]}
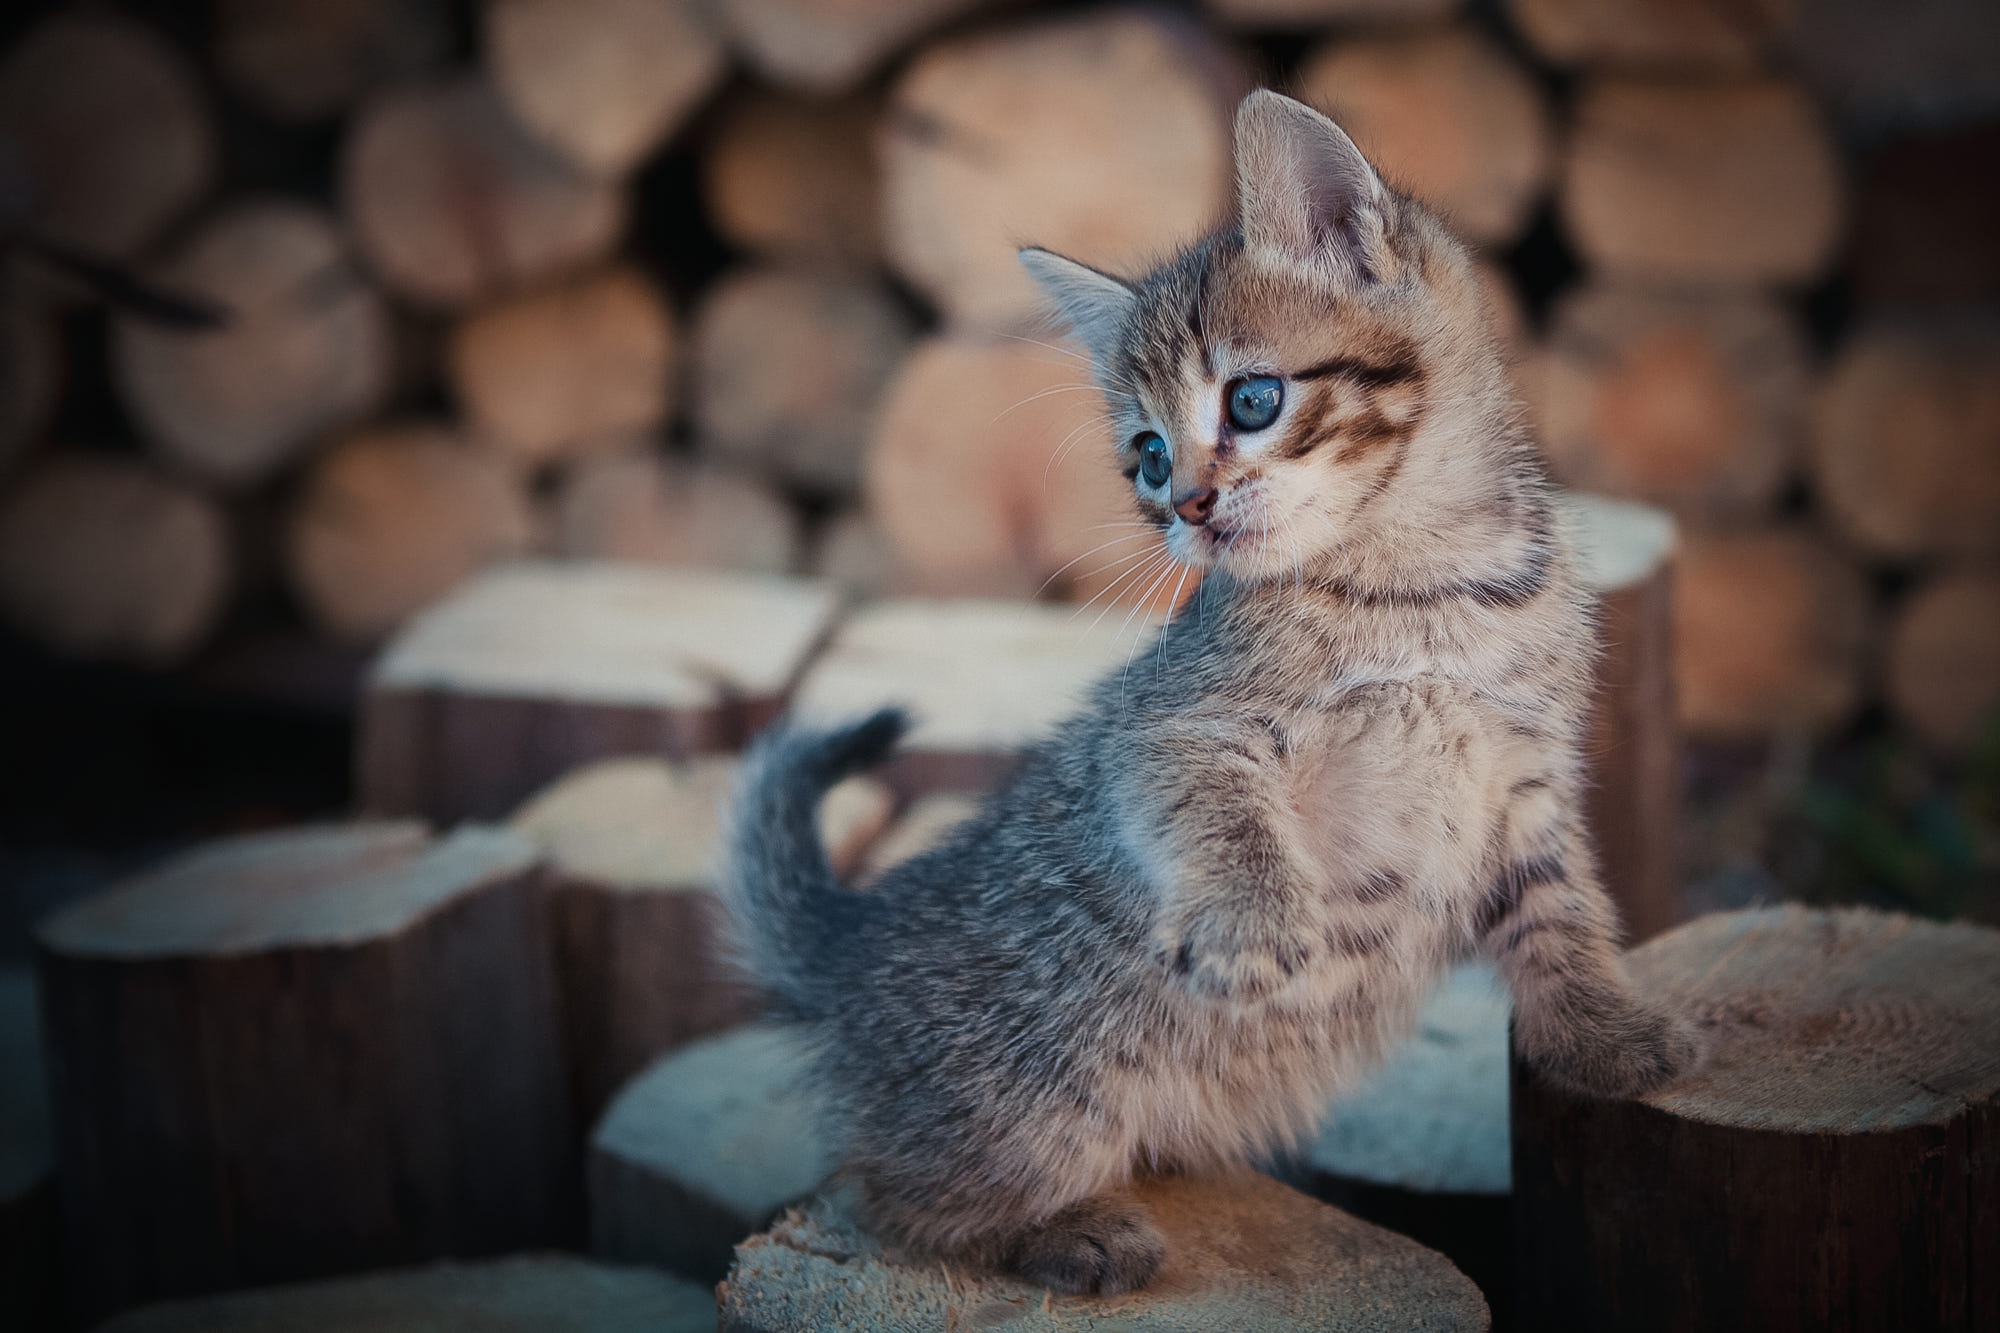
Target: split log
{"type": "Point", "coordinates": [1717, 181]}
{"type": "Point", "coordinates": [307, 60]}
{"type": "Point", "coordinates": [1104, 137]}
{"type": "Point", "coordinates": [704, 1148]}
{"type": "Point", "coordinates": [788, 366]}
{"type": "Point", "coordinates": [1834, 1165]}
{"type": "Point", "coordinates": [29, 1223]}
{"type": "Point", "coordinates": [548, 1292]}
{"type": "Point", "coordinates": [1906, 440]}
{"type": "Point", "coordinates": [1446, 114]}
{"type": "Point", "coordinates": [980, 677]}
{"type": "Point", "coordinates": [1291, 15]}
{"type": "Point", "coordinates": [1655, 34]}
{"type": "Point", "coordinates": [392, 519]}
{"type": "Point", "coordinates": [107, 131]}
{"type": "Point", "coordinates": [31, 376]}
{"type": "Point", "coordinates": [102, 557]}
{"type": "Point", "coordinates": [1771, 632]}
{"type": "Point", "coordinates": [1944, 661]}
{"type": "Point", "coordinates": [828, 46]}
{"type": "Point", "coordinates": [1243, 1252]}
{"type": "Point", "coordinates": [630, 848]}
{"type": "Point", "coordinates": [306, 346]}
{"type": "Point", "coordinates": [658, 509]}
{"type": "Point", "coordinates": [562, 371]}
{"type": "Point", "coordinates": [603, 82]}
{"type": "Point", "coordinates": [537, 667]}
{"type": "Point", "coordinates": [1925, 212]}
{"type": "Point", "coordinates": [452, 202]}
{"type": "Point", "coordinates": [796, 178]}
{"type": "Point", "coordinates": [1692, 400]}
{"type": "Point", "coordinates": [293, 1054]}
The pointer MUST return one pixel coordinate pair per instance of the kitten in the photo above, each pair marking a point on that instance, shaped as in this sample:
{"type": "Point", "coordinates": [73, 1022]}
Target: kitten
{"type": "Point", "coordinates": [1198, 911]}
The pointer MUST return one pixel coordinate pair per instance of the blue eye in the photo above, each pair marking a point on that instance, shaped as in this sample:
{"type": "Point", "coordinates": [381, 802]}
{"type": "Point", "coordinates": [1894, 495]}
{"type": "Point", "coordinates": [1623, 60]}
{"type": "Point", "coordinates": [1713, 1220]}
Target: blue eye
{"type": "Point", "coordinates": [1254, 403]}
{"type": "Point", "coordinates": [1156, 465]}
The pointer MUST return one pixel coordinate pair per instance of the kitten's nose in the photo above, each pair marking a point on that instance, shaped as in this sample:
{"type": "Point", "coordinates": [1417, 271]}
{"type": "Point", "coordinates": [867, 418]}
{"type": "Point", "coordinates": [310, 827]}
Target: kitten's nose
{"type": "Point", "coordinates": [1194, 506]}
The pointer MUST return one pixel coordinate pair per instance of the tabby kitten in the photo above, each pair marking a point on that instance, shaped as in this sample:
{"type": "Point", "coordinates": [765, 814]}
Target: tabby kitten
{"type": "Point", "coordinates": [1204, 906]}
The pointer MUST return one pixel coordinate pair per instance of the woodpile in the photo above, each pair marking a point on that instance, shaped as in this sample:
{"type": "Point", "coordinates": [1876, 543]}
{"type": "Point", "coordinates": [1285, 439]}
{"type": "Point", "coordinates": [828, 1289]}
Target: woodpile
{"type": "Point", "coordinates": [1832, 1163]}
{"type": "Point", "coordinates": [796, 178]}
{"type": "Point", "coordinates": [306, 60]}
{"type": "Point", "coordinates": [828, 45]}
{"type": "Point", "coordinates": [1944, 660]}
{"type": "Point", "coordinates": [1663, 34]}
{"type": "Point", "coordinates": [650, 507]}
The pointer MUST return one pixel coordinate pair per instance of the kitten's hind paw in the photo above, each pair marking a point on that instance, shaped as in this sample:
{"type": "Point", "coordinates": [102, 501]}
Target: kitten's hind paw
{"type": "Point", "coordinates": [1101, 1245]}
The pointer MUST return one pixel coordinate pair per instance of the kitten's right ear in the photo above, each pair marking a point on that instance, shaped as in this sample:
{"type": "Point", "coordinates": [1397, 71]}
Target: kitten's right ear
{"type": "Point", "coordinates": [1304, 191]}
{"type": "Point", "coordinates": [1096, 305]}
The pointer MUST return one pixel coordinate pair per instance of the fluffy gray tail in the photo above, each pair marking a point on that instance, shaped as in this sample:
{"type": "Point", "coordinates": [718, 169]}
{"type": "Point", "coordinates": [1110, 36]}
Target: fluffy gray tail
{"type": "Point", "coordinates": [789, 914]}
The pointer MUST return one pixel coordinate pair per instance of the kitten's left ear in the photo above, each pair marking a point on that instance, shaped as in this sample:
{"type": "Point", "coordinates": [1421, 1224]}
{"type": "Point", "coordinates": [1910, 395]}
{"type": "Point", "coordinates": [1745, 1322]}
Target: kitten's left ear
{"type": "Point", "coordinates": [1304, 191]}
{"type": "Point", "coordinates": [1095, 304]}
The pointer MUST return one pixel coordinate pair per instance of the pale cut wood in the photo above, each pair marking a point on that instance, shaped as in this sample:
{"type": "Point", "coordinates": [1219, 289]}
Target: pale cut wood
{"type": "Point", "coordinates": [828, 46]}
{"type": "Point", "coordinates": [1944, 660]}
{"type": "Point", "coordinates": [1834, 1164]}
{"type": "Point", "coordinates": [1104, 137]}
{"type": "Point", "coordinates": [100, 556]}
{"type": "Point", "coordinates": [788, 366]}
{"type": "Point", "coordinates": [305, 346]}
{"type": "Point", "coordinates": [299, 1053]}
{"type": "Point", "coordinates": [649, 507]}
{"type": "Point", "coordinates": [1243, 1253]}
{"type": "Point", "coordinates": [1695, 400]}
{"type": "Point", "coordinates": [1771, 629]}
{"type": "Point", "coordinates": [31, 375]}
{"type": "Point", "coordinates": [604, 82]}
{"type": "Point", "coordinates": [547, 1292]}
{"type": "Point", "coordinates": [1667, 34]}
{"type": "Point", "coordinates": [631, 848]}
{"type": "Point", "coordinates": [1446, 114]}
{"type": "Point", "coordinates": [1290, 15]}
{"type": "Point", "coordinates": [562, 371]}
{"type": "Point", "coordinates": [308, 60]}
{"type": "Point", "coordinates": [1906, 440]}
{"type": "Point", "coordinates": [1722, 181]}
{"type": "Point", "coordinates": [537, 667]}
{"type": "Point", "coordinates": [392, 519]}
{"type": "Point", "coordinates": [106, 125]}
{"type": "Point", "coordinates": [797, 178]}
{"type": "Point", "coordinates": [452, 202]}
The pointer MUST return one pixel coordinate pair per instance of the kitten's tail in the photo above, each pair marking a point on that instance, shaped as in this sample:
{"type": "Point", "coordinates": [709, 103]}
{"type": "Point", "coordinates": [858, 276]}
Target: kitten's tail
{"type": "Point", "coordinates": [787, 908]}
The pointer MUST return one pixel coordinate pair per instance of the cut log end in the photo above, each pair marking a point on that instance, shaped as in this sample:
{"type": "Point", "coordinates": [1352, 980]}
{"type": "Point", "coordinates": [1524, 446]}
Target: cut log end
{"type": "Point", "coordinates": [1944, 661]}
{"type": "Point", "coordinates": [655, 509]}
{"type": "Point", "coordinates": [797, 178]}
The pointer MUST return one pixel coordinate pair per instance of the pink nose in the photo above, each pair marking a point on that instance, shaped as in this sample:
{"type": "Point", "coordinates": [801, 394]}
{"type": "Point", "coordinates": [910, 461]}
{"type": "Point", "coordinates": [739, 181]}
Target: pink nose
{"type": "Point", "coordinates": [1194, 506]}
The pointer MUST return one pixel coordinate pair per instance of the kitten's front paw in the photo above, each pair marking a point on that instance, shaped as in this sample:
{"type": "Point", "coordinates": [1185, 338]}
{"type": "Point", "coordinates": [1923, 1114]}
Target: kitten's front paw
{"type": "Point", "coordinates": [1233, 955]}
{"type": "Point", "coordinates": [1643, 1050]}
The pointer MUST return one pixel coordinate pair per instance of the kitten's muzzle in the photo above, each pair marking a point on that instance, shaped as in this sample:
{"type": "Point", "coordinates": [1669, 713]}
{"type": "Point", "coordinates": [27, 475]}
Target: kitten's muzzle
{"type": "Point", "coordinates": [1195, 505]}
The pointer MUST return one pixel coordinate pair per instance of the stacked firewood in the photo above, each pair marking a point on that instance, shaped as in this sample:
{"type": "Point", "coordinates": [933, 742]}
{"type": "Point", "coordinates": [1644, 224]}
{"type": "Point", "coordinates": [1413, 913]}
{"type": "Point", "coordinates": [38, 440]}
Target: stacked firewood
{"type": "Point", "coordinates": [734, 284]}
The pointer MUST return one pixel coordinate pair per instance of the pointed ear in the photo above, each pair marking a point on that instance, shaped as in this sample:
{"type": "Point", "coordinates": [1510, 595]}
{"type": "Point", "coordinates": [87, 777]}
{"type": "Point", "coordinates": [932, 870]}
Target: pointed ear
{"type": "Point", "coordinates": [1303, 190]}
{"type": "Point", "coordinates": [1096, 305]}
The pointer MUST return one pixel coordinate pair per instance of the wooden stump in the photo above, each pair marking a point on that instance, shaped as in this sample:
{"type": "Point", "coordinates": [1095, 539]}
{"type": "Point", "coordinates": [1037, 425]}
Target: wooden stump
{"type": "Point", "coordinates": [106, 125]}
{"type": "Point", "coordinates": [1944, 660]}
{"type": "Point", "coordinates": [452, 202]}
{"type": "Point", "coordinates": [796, 178]}
{"type": "Point", "coordinates": [568, 370]}
{"type": "Point", "coordinates": [1104, 137]}
{"type": "Point", "coordinates": [603, 82]}
{"type": "Point", "coordinates": [535, 668]}
{"type": "Point", "coordinates": [307, 60]}
{"type": "Point", "coordinates": [392, 519]}
{"type": "Point", "coordinates": [1693, 400]}
{"type": "Point", "coordinates": [828, 45]}
{"type": "Point", "coordinates": [1243, 1253]}
{"type": "Point", "coordinates": [630, 849]}
{"type": "Point", "coordinates": [788, 366]}
{"type": "Point", "coordinates": [1906, 440]}
{"type": "Point", "coordinates": [1447, 115]}
{"type": "Point", "coordinates": [1835, 1165]}
{"type": "Point", "coordinates": [704, 1148]}
{"type": "Point", "coordinates": [660, 509]}
{"type": "Point", "coordinates": [100, 556]}
{"type": "Point", "coordinates": [306, 346]}
{"type": "Point", "coordinates": [1660, 34]}
{"type": "Point", "coordinates": [29, 1223]}
{"type": "Point", "coordinates": [981, 678]}
{"type": "Point", "coordinates": [551, 1293]}
{"type": "Point", "coordinates": [1733, 181]}
{"type": "Point", "coordinates": [1771, 628]}
{"type": "Point", "coordinates": [302, 1053]}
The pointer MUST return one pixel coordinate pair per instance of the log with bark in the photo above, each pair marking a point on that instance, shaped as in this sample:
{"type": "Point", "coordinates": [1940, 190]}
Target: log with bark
{"type": "Point", "coordinates": [1834, 1165]}
{"type": "Point", "coordinates": [300, 1053]}
{"type": "Point", "coordinates": [1944, 660]}
{"type": "Point", "coordinates": [308, 60]}
{"type": "Point", "coordinates": [656, 508]}
{"type": "Point", "coordinates": [796, 177]}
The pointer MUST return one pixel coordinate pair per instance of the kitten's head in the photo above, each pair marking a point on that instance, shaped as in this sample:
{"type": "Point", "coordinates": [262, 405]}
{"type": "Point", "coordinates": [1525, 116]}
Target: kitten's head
{"type": "Point", "coordinates": [1267, 385]}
